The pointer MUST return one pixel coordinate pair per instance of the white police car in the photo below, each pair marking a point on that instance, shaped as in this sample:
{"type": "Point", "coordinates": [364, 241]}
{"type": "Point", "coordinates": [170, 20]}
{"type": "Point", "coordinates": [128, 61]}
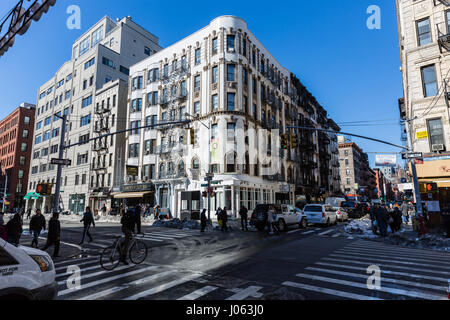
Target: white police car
{"type": "Point", "coordinates": [26, 274]}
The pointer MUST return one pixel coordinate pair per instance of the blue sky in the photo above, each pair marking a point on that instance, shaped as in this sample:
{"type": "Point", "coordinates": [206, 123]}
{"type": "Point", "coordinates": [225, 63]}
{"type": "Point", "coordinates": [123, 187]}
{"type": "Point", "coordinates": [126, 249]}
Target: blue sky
{"type": "Point", "coordinates": [351, 70]}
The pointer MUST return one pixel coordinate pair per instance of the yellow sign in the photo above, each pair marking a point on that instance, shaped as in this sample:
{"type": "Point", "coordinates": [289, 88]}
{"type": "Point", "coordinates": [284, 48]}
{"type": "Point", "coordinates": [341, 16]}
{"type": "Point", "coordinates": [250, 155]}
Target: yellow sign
{"type": "Point", "coordinates": [421, 135]}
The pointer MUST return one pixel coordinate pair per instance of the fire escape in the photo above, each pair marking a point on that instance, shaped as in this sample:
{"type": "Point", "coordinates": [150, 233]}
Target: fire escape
{"type": "Point", "coordinates": [173, 141]}
{"type": "Point", "coordinates": [100, 145]}
{"type": "Point", "coordinates": [444, 2]}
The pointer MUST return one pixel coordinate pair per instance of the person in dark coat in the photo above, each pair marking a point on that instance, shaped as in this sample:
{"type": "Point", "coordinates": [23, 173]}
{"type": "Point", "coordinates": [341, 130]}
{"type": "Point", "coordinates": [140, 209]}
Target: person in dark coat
{"type": "Point", "coordinates": [203, 220]}
{"type": "Point", "coordinates": [381, 217]}
{"type": "Point", "coordinates": [29, 213]}
{"type": "Point", "coordinates": [14, 229]}
{"type": "Point", "coordinates": [244, 217]}
{"type": "Point", "coordinates": [445, 214]}
{"type": "Point", "coordinates": [137, 217]}
{"type": "Point", "coordinates": [54, 234]}
{"type": "Point", "coordinates": [2, 228]}
{"type": "Point", "coordinates": [397, 218]}
{"type": "Point", "coordinates": [88, 219]}
{"type": "Point", "coordinates": [37, 224]}
{"type": "Point", "coordinates": [127, 222]}
{"type": "Point", "coordinates": [224, 218]}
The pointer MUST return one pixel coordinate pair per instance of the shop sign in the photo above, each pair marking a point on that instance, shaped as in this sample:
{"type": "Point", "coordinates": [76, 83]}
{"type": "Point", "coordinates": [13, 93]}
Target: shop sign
{"type": "Point", "coordinates": [132, 171]}
{"type": "Point", "coordinates": [421, 135]}
{"type": "Point", "coordinates": [138, 187]}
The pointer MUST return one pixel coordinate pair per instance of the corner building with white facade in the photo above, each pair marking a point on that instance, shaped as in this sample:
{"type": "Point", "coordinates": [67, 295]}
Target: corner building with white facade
{"type": "Point", "coordinates": [223, 79]}
{"type": "Point", "coordinates": [91, 90]}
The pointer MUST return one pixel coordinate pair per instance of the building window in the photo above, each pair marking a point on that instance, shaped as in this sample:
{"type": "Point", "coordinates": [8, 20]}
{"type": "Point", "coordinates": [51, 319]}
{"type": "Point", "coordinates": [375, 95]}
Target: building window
{"type": "Point", "coordinates": [230, 72]}
{"type": "Point", "coordinates": [85, 120]}
{"type": "Point", "coordinates": [22, 160]}
{"type": "Point", "coordinates": [25, 133]}
{"type": "Point", "coordinates": [108, 62]}
{"type": "Point", "coordinates": [230, 42]}
{"type": "Point", "coordinates": [346, 153]}
{"type": "Point", "coordinates": [47, 121]}
{"type": "Point", "coordinates": [214, 46]}
{"type": "Point", "coordinates": [231, 132]}
{"type": "Point", "coordinates": [136, 105]}
{"type": "Point", "coordinates": [423, 32]}
{"type": "Point", "coordinates": [38, 125]}
{"type": "Point", "coordinates": [198, 59]}
{"type": "Point", "coordinates": [24, 147]}
{"type": "Point", "coordinates": [153, 75]}
{"type": "Point", "coordinates": [86, 102]}
{"type": "Point", "coordinates": [137, 83]}
{"type": "Point", "coordinates": [214, 102]}
{"type": "Point", "coordinates": [429, 81]}
{"type": "Point", "coordinates": [214, 128]}
{"type": "Point", "coordinates": [89, 63]}
{"type": "Point", "coordinates": [46, 135]}
{"type": "Point", "coordinates": [230, 160]}
{"type": "Point", "coordinates": [133, 151]}
{"type": "Point", "coordinates": [214, 74]}
{"type": "Point", "coordinates": [197, 83]}
{"type": "Point", "coordinates": [231, 101]}
{"type": "Point", "coordinates": [436, 132]}
{"type": "Point", "coordinates": [197, 107]}
{"type": "Point", "coordinates": [135, 124]}
{"type": "Point", "coordinates": [195, 164]}
{"type": "Point", "coordinates": [147, 51]}
{"type": "Point", "coordinates": [37, 139]}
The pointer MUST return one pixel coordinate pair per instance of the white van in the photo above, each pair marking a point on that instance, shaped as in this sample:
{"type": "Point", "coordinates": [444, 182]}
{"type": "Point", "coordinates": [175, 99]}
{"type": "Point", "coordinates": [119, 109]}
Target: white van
{"type": "Point", "coordinates": [334, 201]}
{"type": "Point", "coordinates": [26, 274]}
{"type": "Point", "coordinates": [320, 214]}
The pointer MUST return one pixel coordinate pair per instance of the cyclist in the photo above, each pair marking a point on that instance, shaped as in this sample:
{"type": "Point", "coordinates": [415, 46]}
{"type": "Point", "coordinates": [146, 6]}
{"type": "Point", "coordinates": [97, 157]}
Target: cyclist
{"type": "Point", "coordinates": [127, 222]}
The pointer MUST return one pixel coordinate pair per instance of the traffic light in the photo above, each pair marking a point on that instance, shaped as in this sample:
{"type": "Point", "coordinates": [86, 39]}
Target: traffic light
{"type": "Point", "coordinates": [192, 135]}
{"type": "Point", "coordinates": [44, 189]}
{"type": "Point", "coordinates": [284, 141]}
{"type": "Point", "coordinates": [431, 187]}
{"type": "Point", "coordinates": [293, 141]}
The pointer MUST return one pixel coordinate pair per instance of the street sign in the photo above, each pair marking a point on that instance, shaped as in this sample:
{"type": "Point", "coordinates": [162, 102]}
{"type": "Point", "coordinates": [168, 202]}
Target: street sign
{"type": "Point", "coordinates": [216, 182]}
{"type": "Point", "coordinates": [208, 178]}
{"type": "Point", "coordinates": [204, 185]}
{"type": "Point", "coordinates": [412, 155]}
{"type": "Point", "coordinates": [64, 162]}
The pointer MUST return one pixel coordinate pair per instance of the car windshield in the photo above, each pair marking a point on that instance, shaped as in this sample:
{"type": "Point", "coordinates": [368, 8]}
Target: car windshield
{"type": "Point", "coordinates": [313, 208]}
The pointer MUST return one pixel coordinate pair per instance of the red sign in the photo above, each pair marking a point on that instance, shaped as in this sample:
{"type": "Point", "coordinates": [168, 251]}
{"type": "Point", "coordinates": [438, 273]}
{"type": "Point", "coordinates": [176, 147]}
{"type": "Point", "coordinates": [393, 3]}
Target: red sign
{"type": "Point", "coordinates": [418, 161]}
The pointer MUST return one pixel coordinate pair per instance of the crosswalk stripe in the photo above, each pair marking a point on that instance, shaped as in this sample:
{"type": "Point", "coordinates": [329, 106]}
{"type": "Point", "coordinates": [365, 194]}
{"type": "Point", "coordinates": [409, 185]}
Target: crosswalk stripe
{"type": "Point", "coordinates": [293, 231]}
{"type": "Point", "coordinates": [373, 261]}
{"type": "Point", "coordinates": [404, 256]}
{"type": "Point", "coordinates": [405, 274]}
{"type": "Point", "coordinates": [198, 293]}
{"type": "Point", "coordinates": [325, 232]}
{"type": "Point", "coordinates": [336, 235]}
{"type": "Point", "coordinates": [152, 239]}
{"type": "Point", "coordinates": [91, 275]}
{"type": "Point", "coordinates": [377, 258]}
{"type": "Point", "coordinates": [74, 261]}
{"type": "Point", "coordinates": [410, 293]}
{"type": "Point", "coordinates": [384, 279]}
{"type": "Point", "coordinates": [409, 252]}
{"type": "Point", "coordinates": [126, 286]}
{"type": "Point", "coordinates": [380, 246]}
{"type": "Point", "coordinates": [60, 275]}
{"type": "Point", "coordinates": [251, 291]}
{"type": "Point", "coordinates": [164, 287]}
{"type": "Point", "coordinates": [75, 264]}
{"type": "Point", "coordinates": [342, 294]}
{"type": "Point", "coordinates": [386, 255]}
{"type": "Point", "coordinates": [308, 232]}
{"type": "Point", "coordinates": [169, 234]}
{"type": "Point", "coordinates": [109, 279]}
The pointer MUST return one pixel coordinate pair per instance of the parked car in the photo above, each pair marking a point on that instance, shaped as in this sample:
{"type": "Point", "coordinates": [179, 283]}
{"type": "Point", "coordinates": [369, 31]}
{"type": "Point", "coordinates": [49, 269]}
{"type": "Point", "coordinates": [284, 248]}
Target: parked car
{"type": "Point", "coordinates": [353, 209]}
{"type": "Point", "coordinates": [259, 215]}
{"type": "Point", "coordinates": [342, 215]}
{"type": "Point", "coordinates": [26, 274]}
{"type": "Point", "coordinates": [289, 216]}
{"type": "Point", "coordinates": [320, 214]}
{"type": "Point", "coordinates": [334, 201]}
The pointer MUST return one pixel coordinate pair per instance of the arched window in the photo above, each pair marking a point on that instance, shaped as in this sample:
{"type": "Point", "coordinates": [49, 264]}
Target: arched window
{"type": "Point", "coordinates": [195, 164]}
{"type": "Point", "coordinates": [246, 169]}
{"type": "Point", "coordinates": [181, 169]}
{"type": "Point", "coordinates": [170, 169]}
{"type": "Point", "coordinates": [162, 171]}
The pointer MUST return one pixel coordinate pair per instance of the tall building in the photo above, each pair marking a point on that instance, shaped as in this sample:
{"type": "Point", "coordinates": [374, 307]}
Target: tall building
{"type": "Point", "coordinates": [424, 35]}
{"type": "Point", "coordinates": [90, 90]}
{"type": "Point", "coordinates": [16, 138]}
{"type": "Point", "coordinates": [225, 80]}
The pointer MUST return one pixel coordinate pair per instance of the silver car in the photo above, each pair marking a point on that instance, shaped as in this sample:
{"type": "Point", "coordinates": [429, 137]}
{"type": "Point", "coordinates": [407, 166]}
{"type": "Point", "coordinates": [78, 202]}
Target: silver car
{"type": "Point", "coordinates": [320, 214]}
{"type": "Point", "coordinates": [342, 215]}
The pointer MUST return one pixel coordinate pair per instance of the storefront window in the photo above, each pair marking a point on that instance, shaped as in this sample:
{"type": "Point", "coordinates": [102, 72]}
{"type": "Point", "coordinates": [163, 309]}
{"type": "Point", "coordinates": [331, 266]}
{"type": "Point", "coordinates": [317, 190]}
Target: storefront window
{"type": "Point", "coordinates": [228, 198]}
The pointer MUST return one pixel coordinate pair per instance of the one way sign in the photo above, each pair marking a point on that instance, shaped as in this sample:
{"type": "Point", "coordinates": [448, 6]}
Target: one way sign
{"type": "Point", "coordinates": [64, 162]}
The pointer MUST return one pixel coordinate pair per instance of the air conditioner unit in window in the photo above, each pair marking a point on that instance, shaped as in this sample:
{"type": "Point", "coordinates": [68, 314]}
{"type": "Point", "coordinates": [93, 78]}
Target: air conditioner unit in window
{"type": "Point", "coordinates": [437, 147]}
{"type": "Point", "coordinates": [231, 50]}
{"type": "Point", "coordinates": [231, 85]}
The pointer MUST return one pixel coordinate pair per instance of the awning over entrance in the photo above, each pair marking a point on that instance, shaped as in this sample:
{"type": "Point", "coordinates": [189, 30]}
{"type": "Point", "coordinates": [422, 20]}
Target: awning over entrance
{"type": "Point", "coordinates": [128, 195]}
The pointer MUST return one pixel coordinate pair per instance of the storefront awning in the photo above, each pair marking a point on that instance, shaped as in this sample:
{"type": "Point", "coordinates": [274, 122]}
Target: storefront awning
{"type": "Point", "coordinates": [127, 195]}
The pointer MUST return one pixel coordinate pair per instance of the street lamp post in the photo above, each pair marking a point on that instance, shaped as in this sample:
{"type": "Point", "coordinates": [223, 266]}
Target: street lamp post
{"type": "Point", "coordinates": [59, 170]}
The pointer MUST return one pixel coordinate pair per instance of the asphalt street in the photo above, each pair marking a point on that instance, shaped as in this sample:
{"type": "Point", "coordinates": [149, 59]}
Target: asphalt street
{"type": "Point", "coordinates": [314, 263]}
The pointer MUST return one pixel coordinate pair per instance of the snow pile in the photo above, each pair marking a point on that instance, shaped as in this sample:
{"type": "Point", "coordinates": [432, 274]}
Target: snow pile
{"type": "Point", "coordinates": [178, 224]}
{"type": "Point", "coordinates": [361, 227]}
{"type": "Point", "coordinates": [428, 241]}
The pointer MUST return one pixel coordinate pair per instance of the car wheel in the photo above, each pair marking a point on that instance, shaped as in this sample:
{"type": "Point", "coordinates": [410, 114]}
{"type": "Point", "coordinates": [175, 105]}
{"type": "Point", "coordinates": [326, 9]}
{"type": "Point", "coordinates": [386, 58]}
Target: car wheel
{"type": "Point", "coordinates": [303, 224]}
{"type": "Point", "coordinates": [281, 225]}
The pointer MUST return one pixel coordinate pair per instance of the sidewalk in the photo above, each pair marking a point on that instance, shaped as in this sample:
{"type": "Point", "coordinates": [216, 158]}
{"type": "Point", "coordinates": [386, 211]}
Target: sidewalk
{"type": "Point", "coordinates": [434, 240]}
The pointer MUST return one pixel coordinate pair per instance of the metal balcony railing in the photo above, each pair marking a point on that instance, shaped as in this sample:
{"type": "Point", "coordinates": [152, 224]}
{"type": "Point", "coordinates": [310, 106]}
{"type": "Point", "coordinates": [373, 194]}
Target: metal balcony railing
{"type": "Point", "coordinates": [98, 166]}
{"type": "Point", "coordinates": [443, 32]}
{"type": "Point", "coordinates": [99, 147]}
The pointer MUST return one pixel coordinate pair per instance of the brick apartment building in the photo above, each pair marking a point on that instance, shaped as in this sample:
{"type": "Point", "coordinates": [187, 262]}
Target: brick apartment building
{"type": "Point", "coordinates": [16, 140]}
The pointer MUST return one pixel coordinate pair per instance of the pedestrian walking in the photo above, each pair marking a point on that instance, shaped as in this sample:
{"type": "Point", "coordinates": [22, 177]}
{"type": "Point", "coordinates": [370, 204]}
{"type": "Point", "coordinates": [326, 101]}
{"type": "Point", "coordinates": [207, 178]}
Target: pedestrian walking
{"type": "Point", "coordinates": [127, 222]}
{"type": "Point", "coordinates": [88, 219]}
{"type": "Point", "coordinates": [137, 216]}
{"type": "Point", "coordinates": [381, 218]}
{"type": "Point", "coordinates": [29, 213]}
{"type": "Point", "coordinates": [219, 216]}
{"type": "Point", "coordinates": [244, 218]}
{"type": "Point", "coordinates": [391, 221]}
{"type": "Point", "coordinates": [14, 229]}
{"type": "Point", "coordinates": [397, 215]}
{"type": "Point", "coordinates": [157, 211]}
{"type": "Point", "coordinates": [404, 208]}
{"type": "Point", "coordinates": [104, 210]}
{"type": "Point", "coordinates": [2, 227]}
{"type": "Point", "coordinates": [54, 235]}
{"type": "Point", "coordinates": [37, 224]}
{"type": "Point", "coordinates": [270, 219]}
{"type": "Point", "coordinates": [203, 220]}
{"type": "Point", "coordinates": [224, 218]}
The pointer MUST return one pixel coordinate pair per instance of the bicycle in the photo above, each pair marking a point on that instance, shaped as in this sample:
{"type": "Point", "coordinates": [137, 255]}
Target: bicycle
{"type": "Point", "coordinates": [110, 257]}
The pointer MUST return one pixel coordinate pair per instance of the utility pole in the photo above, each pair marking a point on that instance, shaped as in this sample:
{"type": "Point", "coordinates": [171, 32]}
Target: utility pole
{"type": "Point", "coordinates": [4, 193]}
{"type": "Point", "coordinates": [59, 171]}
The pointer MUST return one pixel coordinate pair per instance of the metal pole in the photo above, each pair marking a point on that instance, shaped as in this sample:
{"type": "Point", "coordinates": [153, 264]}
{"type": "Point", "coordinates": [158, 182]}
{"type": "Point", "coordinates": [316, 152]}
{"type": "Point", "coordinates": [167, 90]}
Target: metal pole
{"type": "Point", "coordinates": [414, 171]}
{"type": "Point", "coordinates": [59, 171]}
{"type": "Point", "coordinates": [209, 170]}
{"type": "Point", "coordinates": [4, 193]}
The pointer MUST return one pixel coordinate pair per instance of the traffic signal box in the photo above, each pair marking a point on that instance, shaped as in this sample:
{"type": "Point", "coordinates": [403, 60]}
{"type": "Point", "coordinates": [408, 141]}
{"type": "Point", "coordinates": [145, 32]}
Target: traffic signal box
{"type": "Point", "coordinates": [431, 187]}
{"type": "Point", "coordinates": [44, 189]}
{"type": "Point", "coordinates": [192, 135]}
{"type": "Point", "coordinates": [293, 141]}
{"type": "Point", "coordinates": [289, 141]}
{"type": "Point", "coordinates": [285, 141]}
